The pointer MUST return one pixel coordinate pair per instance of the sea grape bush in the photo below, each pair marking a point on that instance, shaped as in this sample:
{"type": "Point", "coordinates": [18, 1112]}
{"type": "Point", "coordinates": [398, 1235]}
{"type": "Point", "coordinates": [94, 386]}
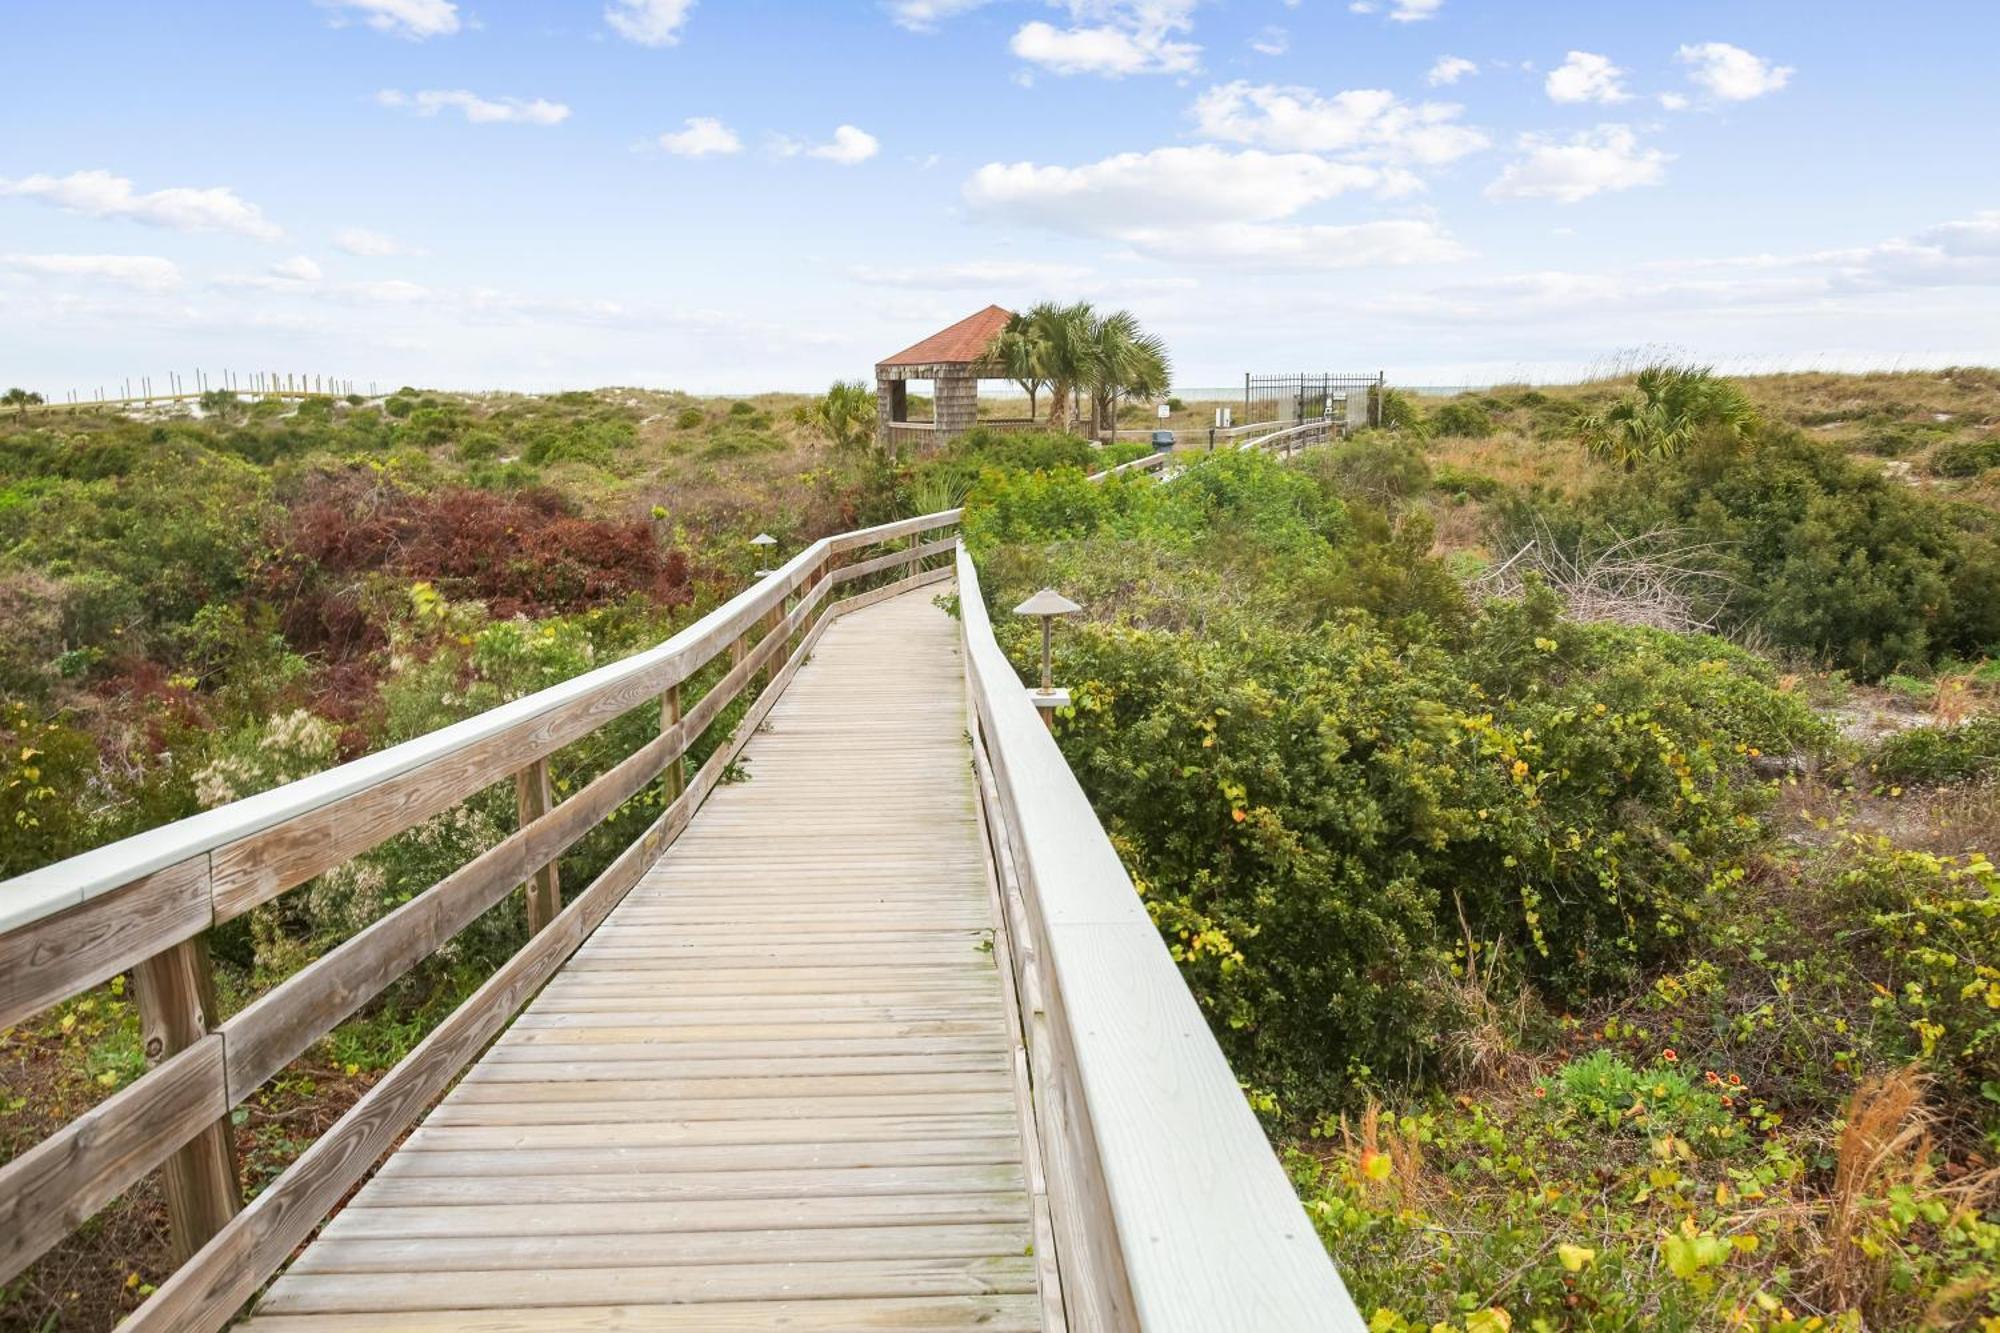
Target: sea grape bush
{"type": "Point", "coordinates": [1325, 806]}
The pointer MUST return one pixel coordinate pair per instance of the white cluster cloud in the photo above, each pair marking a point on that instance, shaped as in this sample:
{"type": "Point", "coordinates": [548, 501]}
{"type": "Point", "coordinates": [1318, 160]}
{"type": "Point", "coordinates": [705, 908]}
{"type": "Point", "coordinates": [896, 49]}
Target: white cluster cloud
{"type": "Point", "coordinates": [1586, 77]}
{"type": "Point", "coordinates": [1291, 247]}
{"type": "Point", "coordinates": [703, 136]}
{"type": "Point", "coordinates": [1449, 70]}
{"type": "Point", "coordinates": [477, 110]}
{"type": "Point", "coordinates": [1271, 40]}
{"type": "Point", "coordinates": [103, 195]}
{"type": "Point", "coordinates": [416, 19]}
{"type": "Point", "coordinates": [298, 268]}
{"type": "Point", "coordinates": [850, 146]}
{"type": "Point", "coordinates": [1213, 205]}
{"type": "Point", "coordinates": [1731, 74]}
{"type": "Point", "coordinates": [1400, 11]}
{"type": "Point", "coordinates": [1193, 184]}
{"type": "Point", "coordinates": [648, 22]}
{"type": "Point", "coordinates": [1589, 162]}
{"type": "Point", "coordinates": [370, 244]}
{"type": "Point", "coordinates": [925, 15]}
{"type": "Point", "coordinates": [1113, 38]}
{"type": "Point", "coordinates": [1362, 122]}
{"type": "Point", "coordinates": [145, 272]}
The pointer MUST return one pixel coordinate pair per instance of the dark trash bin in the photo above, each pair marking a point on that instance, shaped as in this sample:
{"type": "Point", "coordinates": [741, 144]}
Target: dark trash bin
{"type": "Point", "coordinates": [1163, 441]}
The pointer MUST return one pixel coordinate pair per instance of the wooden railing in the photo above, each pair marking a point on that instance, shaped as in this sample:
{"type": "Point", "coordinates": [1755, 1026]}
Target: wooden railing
{"type": "Point", "coordinates": [143, 904]}
{"type": "Point", "coordinates": [1275, 435]}
{"type": "Point", "coordinates": [1168, 1208]}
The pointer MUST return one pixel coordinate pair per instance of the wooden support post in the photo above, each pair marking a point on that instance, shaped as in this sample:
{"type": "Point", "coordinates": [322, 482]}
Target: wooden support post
{"type": "Point", "coordinates": [532, 800]}
{"type": "Point", "coordinates": [772, 618]}
{"type": "Point", "coordinates": [675, 780]}
{"type": "Point", "coordinates": [176, 994]}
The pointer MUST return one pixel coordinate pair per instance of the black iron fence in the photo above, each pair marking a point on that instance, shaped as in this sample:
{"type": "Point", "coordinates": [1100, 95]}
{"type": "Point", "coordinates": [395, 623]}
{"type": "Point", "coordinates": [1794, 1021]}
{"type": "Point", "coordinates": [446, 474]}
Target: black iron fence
{"type": "Point", "coordinates": [1351, 401]}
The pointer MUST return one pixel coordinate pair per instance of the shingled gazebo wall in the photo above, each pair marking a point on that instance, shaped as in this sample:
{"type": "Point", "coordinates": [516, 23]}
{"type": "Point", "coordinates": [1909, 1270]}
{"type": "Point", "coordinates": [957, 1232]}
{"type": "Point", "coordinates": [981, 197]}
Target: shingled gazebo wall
{"type": "Point", "coordinates": [954, 361]}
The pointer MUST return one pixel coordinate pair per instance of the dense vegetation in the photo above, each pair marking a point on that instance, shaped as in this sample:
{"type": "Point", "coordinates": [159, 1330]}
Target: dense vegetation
{"type": "Point", "coordinates": [1598, 978]}
{"type": "Point", "coordinates": [1597, 973]}
{"type": "Point", "coordinates": [201, 608]}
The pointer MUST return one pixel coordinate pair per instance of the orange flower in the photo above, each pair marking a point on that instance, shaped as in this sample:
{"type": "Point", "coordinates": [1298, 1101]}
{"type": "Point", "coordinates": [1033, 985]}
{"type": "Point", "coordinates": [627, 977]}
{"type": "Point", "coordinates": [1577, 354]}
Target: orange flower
{"type": "Point", "coordinates": [1712, 1077]}
{"type": "Point", "coordinates": [1735, 1082]}
{"type": "Point", "coordinates": [1541, 1092]}
{"type": "Point", "coordinates": [1670, 1056]}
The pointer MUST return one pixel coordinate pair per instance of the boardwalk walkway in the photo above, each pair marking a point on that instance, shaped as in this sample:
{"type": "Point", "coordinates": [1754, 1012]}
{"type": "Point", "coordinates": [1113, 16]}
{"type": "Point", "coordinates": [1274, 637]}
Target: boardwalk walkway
{"type": "Point", "coordinates": [776, 1087]}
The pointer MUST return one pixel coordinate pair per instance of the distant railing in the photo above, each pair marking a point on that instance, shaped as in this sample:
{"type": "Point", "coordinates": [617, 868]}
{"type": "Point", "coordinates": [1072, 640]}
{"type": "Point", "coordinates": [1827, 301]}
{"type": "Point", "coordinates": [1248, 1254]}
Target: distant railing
{"type": "Point", "coordinates": [1168, 1207]}
{"type": "Point", "coordinates": [1275, 436]}
{"type": "Point", "coordinates": [144, 903]}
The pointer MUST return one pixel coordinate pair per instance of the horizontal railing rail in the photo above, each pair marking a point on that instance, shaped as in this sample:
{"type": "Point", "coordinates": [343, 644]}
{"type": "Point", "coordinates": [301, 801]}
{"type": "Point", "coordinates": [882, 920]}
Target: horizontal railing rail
{"type": "Point", "coordinates": [1287, 438]}
{"type": "Point", "coordinates": [142, 904]}
{"type": "Point", "coordinates": [1169, 1209]}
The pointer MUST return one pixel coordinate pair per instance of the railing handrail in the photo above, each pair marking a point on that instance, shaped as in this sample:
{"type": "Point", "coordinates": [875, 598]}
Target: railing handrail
{"type": "Point", "coordinates": [1209, 1233]}
{"type": "Point", "coordinates": [64, 884]}
{"type": "Point", "coordinates": [1316, 425]}
{"type": "Point", "coordinates": [146, 910]}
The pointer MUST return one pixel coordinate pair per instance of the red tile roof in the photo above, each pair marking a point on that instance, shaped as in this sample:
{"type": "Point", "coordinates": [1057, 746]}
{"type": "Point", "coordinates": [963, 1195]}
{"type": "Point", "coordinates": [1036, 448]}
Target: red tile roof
{"type": "Point", "coordinates": [965, 341]}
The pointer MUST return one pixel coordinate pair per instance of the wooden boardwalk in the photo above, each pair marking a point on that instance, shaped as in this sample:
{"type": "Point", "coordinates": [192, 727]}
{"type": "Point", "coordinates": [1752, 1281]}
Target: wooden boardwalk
{"type": "Point", "coordinates": [775, 1089]}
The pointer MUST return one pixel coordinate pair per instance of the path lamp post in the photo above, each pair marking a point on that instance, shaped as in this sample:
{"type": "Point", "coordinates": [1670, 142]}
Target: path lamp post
{"type": "Point", "coordinates": [765, 543]}
{"type": "Point", "coordinates": [1047, 605]}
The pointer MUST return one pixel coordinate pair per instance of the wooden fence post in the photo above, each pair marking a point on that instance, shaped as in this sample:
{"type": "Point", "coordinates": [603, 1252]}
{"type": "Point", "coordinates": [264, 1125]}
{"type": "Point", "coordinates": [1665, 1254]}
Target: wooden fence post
{"type": "Point", "coordinates": [176, 994]}
{"type": "Point", "coordinates": [675, 778]}
{"type": "Point", "coordinates": [533, 799]}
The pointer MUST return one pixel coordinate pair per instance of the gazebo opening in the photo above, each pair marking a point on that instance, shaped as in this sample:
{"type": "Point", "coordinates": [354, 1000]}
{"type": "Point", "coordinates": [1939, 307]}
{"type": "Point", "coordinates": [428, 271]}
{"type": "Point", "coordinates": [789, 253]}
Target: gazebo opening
{"type": "Point", "coordinates": [944, 369]}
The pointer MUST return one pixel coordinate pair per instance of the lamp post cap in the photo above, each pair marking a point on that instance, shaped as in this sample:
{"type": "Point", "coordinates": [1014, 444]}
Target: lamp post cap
{"type": "Point", "coordinates": [1047, 602]}
{"type": "Point", "coordinates": [763, 539]}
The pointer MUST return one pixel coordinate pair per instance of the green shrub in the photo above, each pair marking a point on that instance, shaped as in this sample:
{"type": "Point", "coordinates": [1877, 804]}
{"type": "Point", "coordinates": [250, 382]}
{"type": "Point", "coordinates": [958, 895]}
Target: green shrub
{"type": "Point", "coordinates": [739, 408]}
{"type": "Point", "coordinates": [1966, 458]}
{"type": "Point", "coordinates": [1392, 409]}
{"type": "Point", "coordinates": [1327, 771]}
{"type": "Point", "coordinates": [1937, 927]}
{"type": "Point", "coordinates": [399, 406]}
{"type": "Point", "coordinates": [1939, 754]}
{"type": "Point", "coordinates": [1461, 420]}
{"type": "Point", "coordinates": [689, 418]}
{"type": "Point", "coordinates": [1669, 409]}
{"type": "Point", "coordinates": [1450, 479]}
{"type": "Point", "coordinates": [1893, 439]}
{"type": "Point", "coordinates": [1823, 555]}
{"type": "Point", "coordinates": [1378, 467]}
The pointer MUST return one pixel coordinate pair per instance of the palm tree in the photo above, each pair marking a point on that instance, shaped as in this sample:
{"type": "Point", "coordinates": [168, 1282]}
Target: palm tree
{"type": "Point", "coordinates": [1063, 335]}
{"type": "Point", "coordinates": [1675, 406]}
{"type": "Point", "coordinates": [845, 415]}
{"type": "Point", "coordinates": [21, 400]}
{"type": "Point", "coordinates": [1126, 361]}
{"type": "Point", "coordinates": [1018, 349]}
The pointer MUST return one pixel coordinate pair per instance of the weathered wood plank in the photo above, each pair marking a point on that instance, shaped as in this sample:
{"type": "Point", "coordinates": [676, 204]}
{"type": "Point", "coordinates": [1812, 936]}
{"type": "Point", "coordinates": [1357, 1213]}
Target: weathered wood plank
{"type": "Point", "coordinates": [512, 1289]}
{"type": "Point", "coordinates": [947, 1314]}
{"type": "Point", "coordinates": [49, 1190]}
{"type": "Point", "coordinates": [51, 959]}
{"type": "Point", "coordinates": [366, 1218]}
{"type": "Point", "coordinates": [533, 799]}
{"type": "Point", "coordinates": [177, 1009]}
{"type": "Point", "coordinates": [450, 1254]}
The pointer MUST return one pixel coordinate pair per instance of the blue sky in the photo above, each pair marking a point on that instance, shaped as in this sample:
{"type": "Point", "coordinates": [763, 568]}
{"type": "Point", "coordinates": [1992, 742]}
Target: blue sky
{"type": "Point", "coordinates": [728, 195]}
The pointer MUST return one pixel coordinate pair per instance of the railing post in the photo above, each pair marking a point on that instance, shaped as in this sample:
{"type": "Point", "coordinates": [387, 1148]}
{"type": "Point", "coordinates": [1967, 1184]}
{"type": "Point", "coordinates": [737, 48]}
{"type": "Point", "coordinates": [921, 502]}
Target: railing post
{"type": "Point", "coordinates": [532, 800]}
{"type": "Point", "coordinates": [176, 993]}
{"type": "Point", "coordinates": [675, 779]}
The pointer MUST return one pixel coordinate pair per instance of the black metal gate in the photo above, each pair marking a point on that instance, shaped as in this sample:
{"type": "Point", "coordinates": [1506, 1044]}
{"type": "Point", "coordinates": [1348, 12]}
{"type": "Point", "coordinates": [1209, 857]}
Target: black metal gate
{"type": "Point", "coordinates": [1350, 401]}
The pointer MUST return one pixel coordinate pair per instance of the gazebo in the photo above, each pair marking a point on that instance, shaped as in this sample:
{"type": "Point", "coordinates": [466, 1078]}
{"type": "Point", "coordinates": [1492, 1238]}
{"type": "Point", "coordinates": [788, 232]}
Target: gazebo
{"type": "Point", "coordinates": [954, 360]}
